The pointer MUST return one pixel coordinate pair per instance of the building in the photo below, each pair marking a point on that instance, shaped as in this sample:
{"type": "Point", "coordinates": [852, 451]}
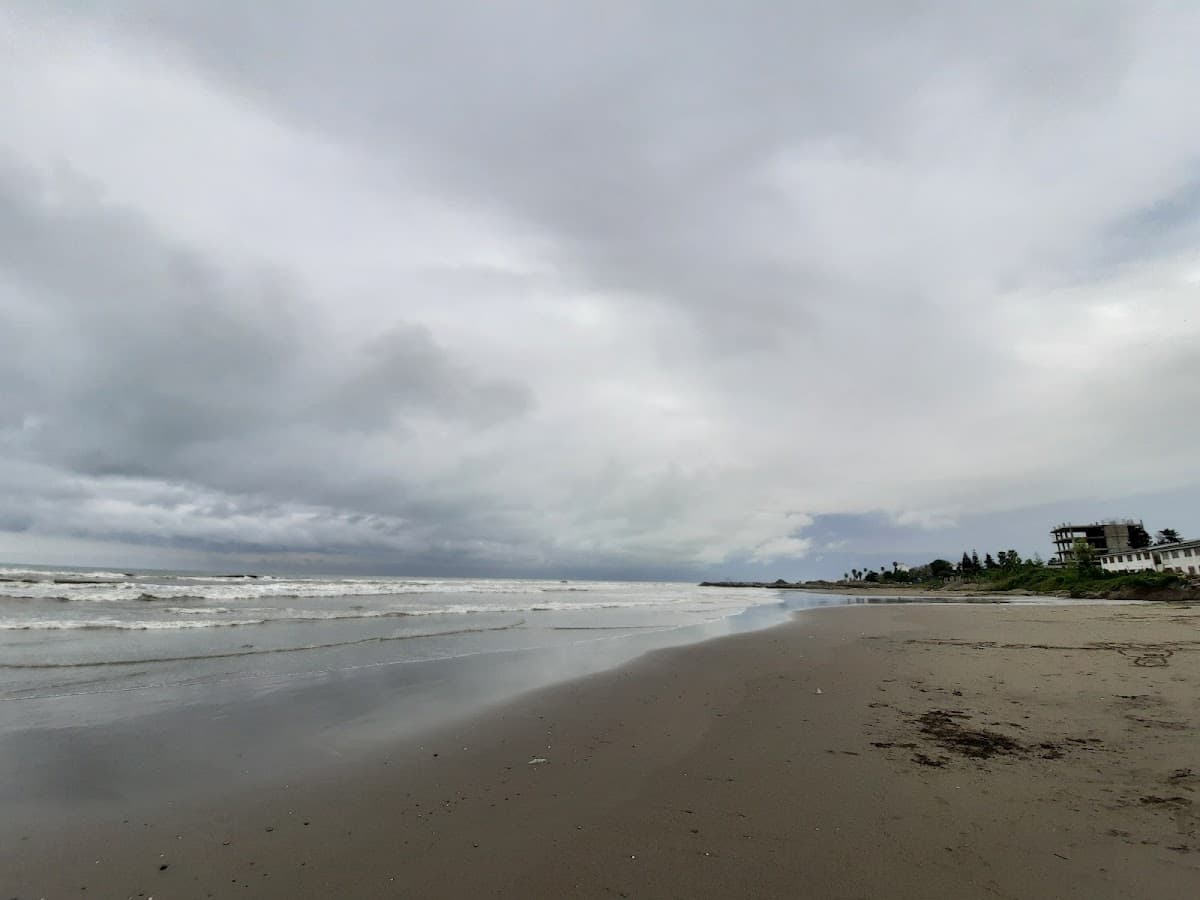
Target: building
{"type": "Point", "coordinates": [1146, 560]}
{"type": "Point", "coordinates": [1105, 537]}
{"type": "Point", "coordinates": [1182, 558]}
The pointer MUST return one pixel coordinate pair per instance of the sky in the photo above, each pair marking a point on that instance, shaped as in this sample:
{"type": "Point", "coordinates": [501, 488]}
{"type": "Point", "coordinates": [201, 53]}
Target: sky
{"type": "Point", "coordinates": [599, 289]}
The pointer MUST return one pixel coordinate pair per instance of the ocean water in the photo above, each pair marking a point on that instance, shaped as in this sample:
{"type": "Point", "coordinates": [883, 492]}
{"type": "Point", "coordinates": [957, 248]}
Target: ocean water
{"type": "Point", "coordinates": [74, 633]}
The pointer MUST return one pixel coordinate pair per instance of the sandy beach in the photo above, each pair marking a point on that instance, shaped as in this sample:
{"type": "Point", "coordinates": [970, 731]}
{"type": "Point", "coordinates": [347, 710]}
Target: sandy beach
{"type": "Point", "coordinates": [883, 751]}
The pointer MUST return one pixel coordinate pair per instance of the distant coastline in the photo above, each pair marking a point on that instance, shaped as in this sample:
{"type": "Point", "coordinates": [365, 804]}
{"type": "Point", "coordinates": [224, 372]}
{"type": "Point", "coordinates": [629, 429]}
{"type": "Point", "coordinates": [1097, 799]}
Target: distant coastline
{"type": "Point", "coordinates": [1122, 589]}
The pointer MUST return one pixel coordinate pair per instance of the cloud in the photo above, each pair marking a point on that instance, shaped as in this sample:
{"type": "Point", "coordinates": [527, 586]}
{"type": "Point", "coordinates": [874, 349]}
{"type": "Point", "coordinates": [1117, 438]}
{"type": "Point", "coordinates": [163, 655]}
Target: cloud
{"type": "Point", "coordinates": [781, 548]}
{"type": "Point", "coordinates": [604, 287]}
{"type": "Point", "coordinates": [929, 519]}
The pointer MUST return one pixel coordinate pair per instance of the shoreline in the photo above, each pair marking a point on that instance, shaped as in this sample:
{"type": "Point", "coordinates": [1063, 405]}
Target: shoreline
{"type": "Point", "coordinates": [831, 755]}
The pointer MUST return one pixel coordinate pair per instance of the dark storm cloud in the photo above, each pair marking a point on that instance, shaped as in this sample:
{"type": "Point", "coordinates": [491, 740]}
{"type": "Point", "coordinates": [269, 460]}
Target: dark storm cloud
{"type": "Point", "coordinates": [133, 357]}
{"type": "Point", "coordinates": [596, 285]}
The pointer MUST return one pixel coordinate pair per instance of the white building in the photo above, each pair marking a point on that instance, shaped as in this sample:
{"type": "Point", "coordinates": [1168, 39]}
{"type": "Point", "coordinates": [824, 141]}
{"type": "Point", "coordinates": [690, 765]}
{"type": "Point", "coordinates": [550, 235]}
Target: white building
{"type": "Point", "coordinates": [1130, 561]}
{"type": "Point", "coordinates": [1183, 558]}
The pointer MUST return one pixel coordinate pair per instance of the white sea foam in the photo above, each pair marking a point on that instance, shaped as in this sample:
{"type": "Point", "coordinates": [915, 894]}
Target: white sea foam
{"type": "Point", "coordinates": [29, 584]}
{"type": "Point", "coordinates": [117, 624]}
{"type": "Point", "coordinates": [42, 599]}
{"type": "Point", "coordinates": [204, 618]}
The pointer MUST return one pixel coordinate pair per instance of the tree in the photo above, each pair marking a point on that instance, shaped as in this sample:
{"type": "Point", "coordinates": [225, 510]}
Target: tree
{"type": "Point", "coordinates": [989, 563]}
{"type": "Point", "coordinates": [1139, 537]}
{"type": "Point", "coordinates": [1010, 559]}
{"type": "Point", "coordinates": [941, 568]}
{"type": "Point", "coordinates": [976, 565]}
{"type": "Point", "coordinates": [845, 576]}
{"type": "Point", "coordinates": [872, 576]}
{"type": "Point", "coordinates": [965, 566]}
{"type": "Point", "coordinates": [895, 566]}
{"type": "Point", "coordinates": [1083, 556]}
{"type": "Point", "coordinates": [1168, 536]}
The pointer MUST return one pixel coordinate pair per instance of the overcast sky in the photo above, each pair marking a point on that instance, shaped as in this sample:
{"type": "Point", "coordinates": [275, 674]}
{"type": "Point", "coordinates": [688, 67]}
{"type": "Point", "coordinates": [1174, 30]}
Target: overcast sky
{"type": "Point", "coordinates": [593, 288]}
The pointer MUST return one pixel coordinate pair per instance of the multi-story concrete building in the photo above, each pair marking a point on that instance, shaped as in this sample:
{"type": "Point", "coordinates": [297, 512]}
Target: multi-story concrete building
{"type": "Point", "coordinates": [1105, 537]}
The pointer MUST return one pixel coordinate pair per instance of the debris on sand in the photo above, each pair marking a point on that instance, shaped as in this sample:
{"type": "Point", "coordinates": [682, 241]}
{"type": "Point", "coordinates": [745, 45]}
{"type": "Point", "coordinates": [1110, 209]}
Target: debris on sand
{"type": "Point", "coordinates": [922, 759]}
{"type": "Point", "coordinates": [944, 727]}
{"type": "Point", "coordinates": [1166, 801]}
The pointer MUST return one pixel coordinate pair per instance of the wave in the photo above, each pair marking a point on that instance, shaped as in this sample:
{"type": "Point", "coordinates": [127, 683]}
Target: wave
{"type": "Point", "coordinates": [265, 651]}
{"type": "Point", "coordinates": [11, 572]}
{"type": "Point", "coordinates": [115, 624]}
{"type": "Point", "coordinates": [180, 617]}
{"type": "Point", "coordinates": [86, 588]}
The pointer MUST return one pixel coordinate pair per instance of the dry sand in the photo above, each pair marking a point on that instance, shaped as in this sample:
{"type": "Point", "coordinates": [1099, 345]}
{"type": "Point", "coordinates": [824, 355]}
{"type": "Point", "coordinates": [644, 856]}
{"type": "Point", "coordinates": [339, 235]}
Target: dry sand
{"type": "Point", "coordinates": [889, 751]}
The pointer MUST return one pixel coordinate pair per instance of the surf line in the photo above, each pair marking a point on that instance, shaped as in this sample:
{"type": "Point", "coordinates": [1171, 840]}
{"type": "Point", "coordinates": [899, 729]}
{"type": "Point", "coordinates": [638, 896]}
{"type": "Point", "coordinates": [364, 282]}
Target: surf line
{"type": "Point", "coordinates": [256, 652]}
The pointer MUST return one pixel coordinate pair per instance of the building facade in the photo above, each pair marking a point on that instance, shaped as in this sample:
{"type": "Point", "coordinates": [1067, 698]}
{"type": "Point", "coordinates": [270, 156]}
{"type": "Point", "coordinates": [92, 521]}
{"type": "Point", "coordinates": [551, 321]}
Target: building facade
{"type": "Point", "coordinates": [1130, 561]}
{"type": "Point", "coordinates": [1182, 558]}
{"type": "Point", "coordinates": [1105, 537]}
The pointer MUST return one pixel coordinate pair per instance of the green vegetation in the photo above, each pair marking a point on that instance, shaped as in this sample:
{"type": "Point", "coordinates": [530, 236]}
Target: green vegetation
{"type": "Point", "coordinates": [1078, 582]}
{"type": "Point", "coordinates": [1007, 571]}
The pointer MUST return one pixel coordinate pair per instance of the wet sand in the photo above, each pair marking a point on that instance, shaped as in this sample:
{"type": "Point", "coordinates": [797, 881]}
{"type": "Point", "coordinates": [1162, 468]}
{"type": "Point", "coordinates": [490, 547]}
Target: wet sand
{"type": "Point", "coordinates": [887, 751]}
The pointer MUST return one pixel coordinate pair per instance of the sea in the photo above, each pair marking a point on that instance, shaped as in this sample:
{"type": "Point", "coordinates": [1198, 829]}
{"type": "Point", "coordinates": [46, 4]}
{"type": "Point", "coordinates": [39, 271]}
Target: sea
{"type": "Point", "coordinates": [87, 646]}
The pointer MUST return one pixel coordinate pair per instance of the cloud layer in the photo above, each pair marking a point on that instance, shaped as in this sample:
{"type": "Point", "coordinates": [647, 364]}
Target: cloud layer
{"type": "Point", "coordinates": [598, 289]}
